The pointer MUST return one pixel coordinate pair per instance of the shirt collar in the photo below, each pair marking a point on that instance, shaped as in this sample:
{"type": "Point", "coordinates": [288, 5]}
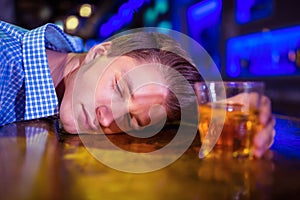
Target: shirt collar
{"type": "Point", "coordinates": [41, 99]}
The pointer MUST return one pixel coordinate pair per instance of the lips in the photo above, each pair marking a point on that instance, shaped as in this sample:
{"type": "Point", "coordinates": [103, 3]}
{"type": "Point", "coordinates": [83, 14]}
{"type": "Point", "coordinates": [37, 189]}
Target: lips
{"type": "Point", "coordinates": [87, 122]}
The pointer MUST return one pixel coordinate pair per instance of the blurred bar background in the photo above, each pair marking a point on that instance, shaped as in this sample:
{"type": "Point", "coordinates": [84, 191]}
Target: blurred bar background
{"type": "Point", "coordinates": [247, 39]}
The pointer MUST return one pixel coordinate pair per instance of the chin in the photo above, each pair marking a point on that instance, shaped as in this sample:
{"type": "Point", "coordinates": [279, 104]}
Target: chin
{"type": "Point", "coordinates": [68, 124]}
{"type": "Point", "coordinates": [70, 130]}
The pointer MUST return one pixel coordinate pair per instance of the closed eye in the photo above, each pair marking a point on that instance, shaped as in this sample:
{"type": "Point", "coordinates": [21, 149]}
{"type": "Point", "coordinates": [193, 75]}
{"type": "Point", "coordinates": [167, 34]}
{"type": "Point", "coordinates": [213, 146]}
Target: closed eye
{"type": "Point", "coordinates": [118, 87]}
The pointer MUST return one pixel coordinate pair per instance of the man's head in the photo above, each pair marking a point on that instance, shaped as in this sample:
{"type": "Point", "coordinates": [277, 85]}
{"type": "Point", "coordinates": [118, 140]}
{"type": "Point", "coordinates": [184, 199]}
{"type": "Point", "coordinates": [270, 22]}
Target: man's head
{"type": "Point", "coordinates": [125, 83]}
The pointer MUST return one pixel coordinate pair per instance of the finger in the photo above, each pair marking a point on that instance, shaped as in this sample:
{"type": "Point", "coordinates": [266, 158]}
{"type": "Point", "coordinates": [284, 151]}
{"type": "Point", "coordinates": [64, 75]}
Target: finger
{"type": "Point", "coordinates": [252, 99]}
{"type": "Point", "coordinates": [272, 139]}
{"type": "Point", "coordinates": [266, 154]}
{"type": "Point", "coordinates": [264, 136]}
{"type": "Point", "coordinates": [263, 140]}
{"type": "Point", "coordinates": [265, 113]}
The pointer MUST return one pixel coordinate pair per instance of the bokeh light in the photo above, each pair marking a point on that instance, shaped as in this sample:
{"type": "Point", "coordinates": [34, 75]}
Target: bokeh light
{"type": "Point", "coordinates": [85, 10]}
{"type": "Point", "coordinates": [72, 23]}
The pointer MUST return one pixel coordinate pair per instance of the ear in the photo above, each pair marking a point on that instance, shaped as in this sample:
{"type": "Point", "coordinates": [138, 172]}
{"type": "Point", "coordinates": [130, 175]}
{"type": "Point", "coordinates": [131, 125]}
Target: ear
{"type": "Point", "coordinates": [96, 51]}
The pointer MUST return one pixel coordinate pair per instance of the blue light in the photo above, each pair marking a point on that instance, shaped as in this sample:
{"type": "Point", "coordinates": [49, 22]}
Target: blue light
{"type": "Point", "coordinates": [165, 24]}
{"type": "Point", "coordinates": [152, 13]}
{"type": "Point", "coordinates": [150, 17]}
{"type": "Point", "coordinates": [203, 9]}
{"type": "Point", "coordinates": [243, 10]}
{"type": "Point", "coordinates": [105, 30]}
{"type": "Point", "coordinates": [90, 43]}
{"type": "Point", "coordinates": [234, 70]}
{"type": "Point", "coordinates": [116, 22]}
{"type": "Point", "coordinates": [125, 12]}
{"type": "Point", "coordinates": [124, 16]}
{"type": "Point", "coordinates": [134, 4]}
{"type": "Point", "coordinates": [203, 25]}
{"type": "Point", "coordinates": [207, 10]}
{"type": "Point", "coordinates": [161, 6]}
{"type": "Point", "coordinates": [263, 54]}
{"type": "Point", "coordinates": [203, 15]}
{"type": "Point", "coordinates": [249, 10]}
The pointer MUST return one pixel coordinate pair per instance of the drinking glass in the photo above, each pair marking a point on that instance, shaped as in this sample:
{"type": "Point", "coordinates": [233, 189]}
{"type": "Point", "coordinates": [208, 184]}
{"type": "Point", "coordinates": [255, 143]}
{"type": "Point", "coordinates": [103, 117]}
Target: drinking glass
{"type": "Point", "coordinates": [228, 116]}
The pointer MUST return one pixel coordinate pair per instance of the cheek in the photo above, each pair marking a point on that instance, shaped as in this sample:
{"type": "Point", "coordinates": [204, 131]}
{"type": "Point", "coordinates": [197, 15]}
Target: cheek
{"type": "Point", "coordinates": [104, 92]}
{"type": "Point", "coordinates": [67, 117]}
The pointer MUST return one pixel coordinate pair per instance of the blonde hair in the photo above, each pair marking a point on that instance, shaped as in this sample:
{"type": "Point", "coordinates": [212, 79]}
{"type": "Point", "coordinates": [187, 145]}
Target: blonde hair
{"type": "Point", "coordinates": [152, 47]}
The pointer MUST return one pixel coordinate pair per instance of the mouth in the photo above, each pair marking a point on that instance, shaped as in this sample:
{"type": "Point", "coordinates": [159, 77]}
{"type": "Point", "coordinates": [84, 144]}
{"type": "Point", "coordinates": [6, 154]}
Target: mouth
{"type": "Point", "coordinates": [87, 121]}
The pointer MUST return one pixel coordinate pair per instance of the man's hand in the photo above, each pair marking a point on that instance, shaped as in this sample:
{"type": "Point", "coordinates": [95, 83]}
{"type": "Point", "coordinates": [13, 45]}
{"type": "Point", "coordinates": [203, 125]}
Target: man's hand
{"type": "Point", "coordinates": [264, 139]}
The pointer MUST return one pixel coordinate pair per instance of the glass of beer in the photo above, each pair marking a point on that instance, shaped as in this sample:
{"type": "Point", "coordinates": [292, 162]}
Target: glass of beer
{"type": "Point", "coordinates": [228, 116]}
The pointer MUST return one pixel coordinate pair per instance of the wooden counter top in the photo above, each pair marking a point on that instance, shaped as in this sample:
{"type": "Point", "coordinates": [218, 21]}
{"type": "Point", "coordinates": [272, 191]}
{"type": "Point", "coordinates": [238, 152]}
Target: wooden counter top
{"type": "Point", "coordinates": [38, 161]}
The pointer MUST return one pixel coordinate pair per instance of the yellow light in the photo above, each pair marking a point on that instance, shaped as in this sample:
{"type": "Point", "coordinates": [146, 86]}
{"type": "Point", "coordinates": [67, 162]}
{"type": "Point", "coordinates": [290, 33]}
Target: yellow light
{"type": "Point", "coordinates": [72, 23]}
{"type": "Point", "coordinates": [85, 10]}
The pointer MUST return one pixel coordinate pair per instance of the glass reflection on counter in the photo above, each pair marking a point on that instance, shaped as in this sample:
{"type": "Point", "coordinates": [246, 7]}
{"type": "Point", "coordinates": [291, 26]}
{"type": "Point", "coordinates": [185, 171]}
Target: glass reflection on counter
{"type": "Point", "coordinates": [21, 151]}
{"type": "Point", "coordinates": [237, 178]}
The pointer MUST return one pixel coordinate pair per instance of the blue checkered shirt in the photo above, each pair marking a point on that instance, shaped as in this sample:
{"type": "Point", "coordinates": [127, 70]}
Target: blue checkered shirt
{"type": "Point", "coordinates": [26, 88]}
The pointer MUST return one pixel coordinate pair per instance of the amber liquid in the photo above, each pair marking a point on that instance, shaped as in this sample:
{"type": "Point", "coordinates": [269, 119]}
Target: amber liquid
{"type": "Point", "coordinates": [240, 126]}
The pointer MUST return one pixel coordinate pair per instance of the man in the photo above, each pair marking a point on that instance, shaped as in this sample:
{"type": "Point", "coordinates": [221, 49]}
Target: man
{"type": "Point", "coordinates": [110, 88]}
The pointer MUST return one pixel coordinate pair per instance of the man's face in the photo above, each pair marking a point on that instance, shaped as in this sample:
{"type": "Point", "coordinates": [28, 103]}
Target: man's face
{"type": "Point", "coordinates": [113, 95]}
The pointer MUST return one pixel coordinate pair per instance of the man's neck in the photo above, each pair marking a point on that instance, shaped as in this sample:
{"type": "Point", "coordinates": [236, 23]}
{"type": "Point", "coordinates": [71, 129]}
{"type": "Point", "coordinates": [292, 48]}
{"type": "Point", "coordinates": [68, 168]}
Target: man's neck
{"type": "Point", "coordinates": [61, 67]}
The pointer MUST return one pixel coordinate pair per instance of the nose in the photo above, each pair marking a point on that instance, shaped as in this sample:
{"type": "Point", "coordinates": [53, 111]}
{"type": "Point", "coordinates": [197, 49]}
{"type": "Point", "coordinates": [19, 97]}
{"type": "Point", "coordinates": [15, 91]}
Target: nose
{"type": "Point", "coordinates": [104, 116]}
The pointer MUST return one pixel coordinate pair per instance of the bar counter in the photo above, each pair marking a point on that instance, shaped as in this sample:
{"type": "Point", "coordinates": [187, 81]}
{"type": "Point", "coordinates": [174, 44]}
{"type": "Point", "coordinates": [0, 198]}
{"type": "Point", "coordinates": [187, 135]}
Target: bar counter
{"type": "Point", "coordinates": [39, 161]}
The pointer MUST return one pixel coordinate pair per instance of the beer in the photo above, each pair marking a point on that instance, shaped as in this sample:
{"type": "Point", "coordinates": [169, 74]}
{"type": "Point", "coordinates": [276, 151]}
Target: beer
{"type": "Point", "coordinates": [240, 126]}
